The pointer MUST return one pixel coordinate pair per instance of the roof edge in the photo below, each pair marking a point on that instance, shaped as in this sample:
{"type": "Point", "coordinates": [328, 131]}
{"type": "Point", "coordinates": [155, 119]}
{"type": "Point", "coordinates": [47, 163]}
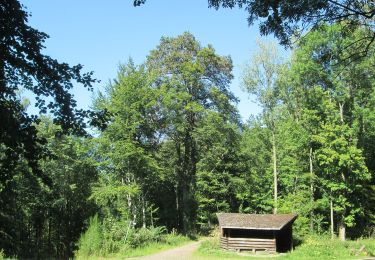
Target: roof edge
{"type": "Point", "coordinates": [293, 215]}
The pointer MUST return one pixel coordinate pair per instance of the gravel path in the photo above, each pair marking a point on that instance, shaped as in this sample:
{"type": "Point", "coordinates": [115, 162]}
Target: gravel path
{"type": "Point", "coordinates": [180, 253]}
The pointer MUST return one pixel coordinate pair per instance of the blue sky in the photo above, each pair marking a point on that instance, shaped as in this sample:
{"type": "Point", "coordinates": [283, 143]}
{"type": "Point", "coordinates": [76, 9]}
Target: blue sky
{"type": "Point", "coordinates": [102, 34]}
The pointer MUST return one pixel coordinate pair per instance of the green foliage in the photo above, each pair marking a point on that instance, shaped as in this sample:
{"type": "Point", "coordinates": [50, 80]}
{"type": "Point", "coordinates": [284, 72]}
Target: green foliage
{"type": "Point", "coordinates": [211, 248]}
{"type": "Point", "coordinates": [118, 238]}
{"type": "Point", "coordinates": [312, 247]}
{"type": "Point", "coordinates": [24, 66]}
{"type": "Point", "coordinates": [32, 195]}
{"type": "Point", "coordinates": [193, 81]}
{"type": "Point", "coordinates": [325, 248]}
{"type": "Point", "coordinates": [217, 141]}
{"type": "Point", "coordinates": [253, 187]}
{"type": "Point", "coordinates": [168, 241]}
{"type": "Point", "coordinates": [126, 149]}
{"type": "Point", "coordinates": [174, 153]}
{"type": "Point", "coordinates": [46, 220]}
{"type": "Point", "coordinates": [288, 19]}
{"type": "Point", "coordinates": [90, 241]}
{"type": "Point", "coordinates": [145, 236]}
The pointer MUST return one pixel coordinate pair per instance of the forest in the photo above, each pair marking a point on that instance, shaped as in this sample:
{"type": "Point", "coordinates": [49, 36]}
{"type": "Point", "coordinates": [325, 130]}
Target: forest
{"type": "Point", "coordinates": [164, 148]}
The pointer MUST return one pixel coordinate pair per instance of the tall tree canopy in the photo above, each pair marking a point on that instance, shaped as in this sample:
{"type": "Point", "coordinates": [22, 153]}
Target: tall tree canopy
{"type": "Point", "coordinates": [194, 80]}
{"type": "Point", "coordinates": [286, 19]}
{"type": "Point", "coordinates": [260, 80]}
{"type": "Point", "coordinates": [24, 66]}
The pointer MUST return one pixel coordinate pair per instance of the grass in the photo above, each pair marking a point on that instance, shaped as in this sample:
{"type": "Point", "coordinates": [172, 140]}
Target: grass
{"type": "Point", "coordinates": [311, 248]}
{"type": "Point", "coordinates": [210, 249]}
{"type": "Point", "coordinates": [325, 248]}
{"type": "Point", "coordinates": [169, 241]}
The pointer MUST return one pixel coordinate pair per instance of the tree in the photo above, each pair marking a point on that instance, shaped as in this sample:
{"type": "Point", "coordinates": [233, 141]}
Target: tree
{"type": "Point", "coordinates": [39, 220]}
{"type": "Point", "coordinates": [66, 207]}
{"type": "Point", "coordinates": [23, 65]}
{"type": "Point", "coordinates": [288, 18]}
{"type": "Point", "coordinates": [126, 148]}
{"type": "Point", "coordinates": [255, 182]}
{"type": "Point", "coordinates": [344, 169]}
{"type": "Point", "coordinates": [193, 80]}
{"type": "Point", "coordinates": [260, 79]}
{"type": "Point", "coordinates": [218, 142]}
{"type": "Point", "coordinates": [330, 98]}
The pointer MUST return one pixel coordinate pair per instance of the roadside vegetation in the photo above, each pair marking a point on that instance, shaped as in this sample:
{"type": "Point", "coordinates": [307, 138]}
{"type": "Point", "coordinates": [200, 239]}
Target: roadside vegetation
{"type": "Point", "coordinates": [168, 149]}
{"type": "Point", "coordinates": [311, 247]}
{"type": "Point", "coordinates": [119, 241]}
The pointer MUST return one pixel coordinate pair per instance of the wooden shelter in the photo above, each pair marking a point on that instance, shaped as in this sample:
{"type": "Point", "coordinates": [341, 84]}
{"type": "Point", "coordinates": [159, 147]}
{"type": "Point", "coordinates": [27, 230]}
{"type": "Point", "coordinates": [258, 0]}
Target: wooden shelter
{"type": "Point", "coordinates": [256, 232]}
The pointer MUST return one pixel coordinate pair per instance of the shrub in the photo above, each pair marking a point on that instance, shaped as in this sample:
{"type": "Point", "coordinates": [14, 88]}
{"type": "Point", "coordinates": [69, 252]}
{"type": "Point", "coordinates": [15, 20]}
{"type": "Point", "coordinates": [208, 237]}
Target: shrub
{"type": "Point", "coordinates": [116, 234]}
{"type": "Point", "coordinates": [144, 236]}
{"type": "Point", "coordinates": [90, 241]}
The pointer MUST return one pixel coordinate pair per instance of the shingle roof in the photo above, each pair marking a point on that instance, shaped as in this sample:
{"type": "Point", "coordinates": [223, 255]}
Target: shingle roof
{"type": "Point", "coordinates": [255, 221]}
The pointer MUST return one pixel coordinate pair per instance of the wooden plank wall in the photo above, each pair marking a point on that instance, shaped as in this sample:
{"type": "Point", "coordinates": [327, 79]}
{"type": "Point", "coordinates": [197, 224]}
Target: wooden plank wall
{"type": "Point", "coordinates": [250, 244]}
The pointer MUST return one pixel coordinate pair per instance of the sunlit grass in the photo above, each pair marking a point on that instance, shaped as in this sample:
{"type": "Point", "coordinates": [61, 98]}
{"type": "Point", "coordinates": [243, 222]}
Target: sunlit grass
{"type": "Point", "coordinates": [311, 248]}
{"type": "Point", "coordinates": [170, 241]}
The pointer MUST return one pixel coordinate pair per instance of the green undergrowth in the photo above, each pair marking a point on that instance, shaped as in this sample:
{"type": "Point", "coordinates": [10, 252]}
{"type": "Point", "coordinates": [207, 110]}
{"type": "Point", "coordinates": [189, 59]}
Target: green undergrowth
{"type": "Point", "coordinates": [118, 240]}
{"type": "Point", "coordinates": [210, 249]}
{"type": "Point", "coordinates": [312, 247]}
{"type": "Point", "coordinates": [170, 241]}
{"type": "Point", "coordinates": [325, 248]}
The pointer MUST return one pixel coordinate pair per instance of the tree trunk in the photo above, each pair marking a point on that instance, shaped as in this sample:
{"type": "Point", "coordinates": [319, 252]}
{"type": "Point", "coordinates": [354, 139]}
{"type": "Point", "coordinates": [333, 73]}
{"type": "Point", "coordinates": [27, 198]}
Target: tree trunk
{"type": "Point", "coordinates": [2, 74]}
{"type": "Point", "coordinates": [179, 187]}
{"type": "Point", "coordinates": [152, 220]}
{"type": "Point", "coordinates": [186, 209]}
{"type": "Point", "coordinates": [332, 224]}
{"type": "Point", "coordinates": [342, 229]}
{"type": "Point", "coordinates": [341, 224]}
{"type": "Point", "coordinates": [143, 212]}
{"type": "Point", "coordinates": [178, 219]}
{"type": "Point", "coordinates": [341, 105]}
{"type": "Point", "coordinates": [49, 233]}
{"type": "Point", "coordinates": [274, 158]}
{"type": "Point", "coordinates": [188, 181]}
{"type": "Point", "coordinates": [311, 190]}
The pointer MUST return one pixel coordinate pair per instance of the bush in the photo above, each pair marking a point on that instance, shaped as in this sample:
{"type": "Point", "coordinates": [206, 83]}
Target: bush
{"type": "Point", "coordinates": [115, 237]}
{"type": "Point", "coordinates": [90, 241]}
{"type": "Point", "coordinates": [144, 236]}
{"type": "Point", "coordinates": [116, 234]}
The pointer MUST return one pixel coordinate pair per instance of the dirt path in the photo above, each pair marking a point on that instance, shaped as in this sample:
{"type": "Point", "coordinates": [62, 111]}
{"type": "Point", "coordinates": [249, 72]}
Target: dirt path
{"type": "Point", "coordinates": [180, 253]}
